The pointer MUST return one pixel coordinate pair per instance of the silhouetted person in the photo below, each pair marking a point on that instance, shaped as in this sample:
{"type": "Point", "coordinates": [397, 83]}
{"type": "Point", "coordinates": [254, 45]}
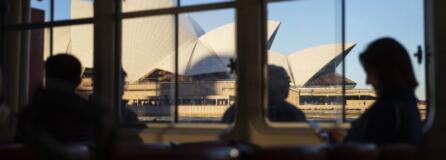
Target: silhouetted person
{"type": "Point", "coordinates": [279, 110]}
{"type": "Point", "coordinates": [394, 117]}
{"type": "Point", "coordinates": [128, 117]}
{"type": "Point", "coordinates": [56, 117]}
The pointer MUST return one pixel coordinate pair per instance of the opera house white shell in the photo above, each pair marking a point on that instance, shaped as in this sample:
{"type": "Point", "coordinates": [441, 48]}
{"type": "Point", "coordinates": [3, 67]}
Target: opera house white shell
{"type": "Point", "coordinates": [149, 43]}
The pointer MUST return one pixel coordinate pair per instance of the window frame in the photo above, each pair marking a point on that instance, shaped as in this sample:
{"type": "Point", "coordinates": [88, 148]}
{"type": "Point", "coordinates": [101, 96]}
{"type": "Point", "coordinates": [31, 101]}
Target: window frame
{"type": "Point", "coordinates": [104, 87]}
{"type": "Point", "coordinates": [341, 7]}
{"type": "Point", "coordinates": [251, 124]}
{"type": "Point", "coordinates": [176, 11]}
{"type": "Point", "coordinates": [342, 19]}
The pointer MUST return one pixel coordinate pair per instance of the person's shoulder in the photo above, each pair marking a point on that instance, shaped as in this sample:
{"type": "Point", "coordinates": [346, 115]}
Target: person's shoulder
{"type": "Point", "coordinates": [68, 100]}
{"type": "Point", "coordinates": [382, 105]}
{"type": "Point", "coordinates": [292, 108]}
{"type": "Point", "coordinates": [229, 115]}
{"type": "Point", "coordinates": [44, 95]}
{"type": "Point", "coordinates": [295, 112]}
{"type": "Point", "coordinates": [381, 109]}
{"type": "Point", "coordinates": [230, 110]}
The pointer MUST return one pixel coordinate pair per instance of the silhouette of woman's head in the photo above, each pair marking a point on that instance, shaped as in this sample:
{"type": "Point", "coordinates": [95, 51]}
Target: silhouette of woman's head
{"type": "Point", "coordinates": [63, 67]}
{"type": "Point", "coordinates": [388, 66]}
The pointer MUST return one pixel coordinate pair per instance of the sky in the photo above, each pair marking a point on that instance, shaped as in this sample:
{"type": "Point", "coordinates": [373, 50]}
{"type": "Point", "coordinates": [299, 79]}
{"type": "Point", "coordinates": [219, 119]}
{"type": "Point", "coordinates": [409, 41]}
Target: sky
{"type": "Point", "coordinates": [309, 23]}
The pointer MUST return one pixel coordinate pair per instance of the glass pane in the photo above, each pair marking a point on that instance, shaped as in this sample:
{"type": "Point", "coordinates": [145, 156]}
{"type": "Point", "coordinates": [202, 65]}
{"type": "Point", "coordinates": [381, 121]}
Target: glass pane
{"type": "Point", "coordinates": [140, 5]}
{"type": "Point", "coordinates": [304, 56]}
{"type": "Point", "coordinates": [78, 41]}
{"type": "Point", "coordinates": [73, 9]}
{"type": "Point", "coordinates": [148, 49]}
{"type": "Point", "coordinates": [63, 9]}
{"type": "Point", "coordinates": [365, 25]}
{"type": "Point", "coordinates": [38, 44]}
{"type": "Point", "coordinates": [198, 2]}
{"type": "Point", "coordinates": [39, 9]}
{"type": "Point", "coordinates": [207, 86]}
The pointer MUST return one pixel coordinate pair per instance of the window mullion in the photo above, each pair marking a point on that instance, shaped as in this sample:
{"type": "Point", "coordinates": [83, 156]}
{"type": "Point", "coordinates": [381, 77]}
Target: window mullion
{"type": "Point", "coordinates": [118, 58]}
{"type": "Point", "coordinates": [251, 64]}
{"type": "Point", "coordinates": [51, 27]}
{"type": "Point", "coordinates": [176, 87]}
{"type": "Point", "coordinates": [344, 101]}
{"type": "Point", "coordinates": [105, 56]}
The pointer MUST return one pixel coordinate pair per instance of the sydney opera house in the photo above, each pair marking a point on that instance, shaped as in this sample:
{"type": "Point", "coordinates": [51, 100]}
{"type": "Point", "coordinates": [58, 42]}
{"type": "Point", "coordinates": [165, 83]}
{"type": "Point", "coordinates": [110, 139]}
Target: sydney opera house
{"type": "Point", "coordinates": [206, 86]}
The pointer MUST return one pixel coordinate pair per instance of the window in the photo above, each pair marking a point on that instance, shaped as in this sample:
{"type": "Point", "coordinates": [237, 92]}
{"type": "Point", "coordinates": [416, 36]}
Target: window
{"type": "Point", "coordinates": [47, 38]}
{"type": "Point", "coordinates": [175, 61]}
{"type": "Point", "coordinates": [78, 41]}
{"type": "Point", "coordinates": [144, 5]}
{"type": "Point", "coordinates": [176, 91]}
{"type": "Point", "coordinates": [304, 55]}
{"type": "Point", "coordinates": [59, 10]}
{"type": "Point", "coordinates": [309, 38]}
{"type": "Point", "coordinates": [176, 54]}
{"type": "Point", "coordinates": [364, 24]}
{"type": "Point", "coordinates": [178, 62]}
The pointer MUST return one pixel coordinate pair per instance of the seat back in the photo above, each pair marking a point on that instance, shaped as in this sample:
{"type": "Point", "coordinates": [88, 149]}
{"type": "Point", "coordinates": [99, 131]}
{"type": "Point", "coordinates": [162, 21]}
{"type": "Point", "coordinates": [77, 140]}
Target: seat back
{"type": "Point", "coordinates": [17, 152]}
{"type": "Point", "coordinates": [291, 152]}
{"type": "Point", "coordinates": [353, 151]}
{"type": "Point", "coordinates": [138, 151]}
{"type": "Point", "coordinates": [214, 150]}
{"type": "Point", "coordinates": [398, 151]}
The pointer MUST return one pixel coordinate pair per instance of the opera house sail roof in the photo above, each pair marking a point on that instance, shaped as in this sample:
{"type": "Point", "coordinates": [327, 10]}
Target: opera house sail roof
{"type": "Point", "coordinates": [148, 45]}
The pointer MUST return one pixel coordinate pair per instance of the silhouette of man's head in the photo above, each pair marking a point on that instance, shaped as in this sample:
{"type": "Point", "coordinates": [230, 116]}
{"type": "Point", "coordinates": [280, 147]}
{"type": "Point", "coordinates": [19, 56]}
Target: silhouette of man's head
{"type": "Point", "coordinates": [64, 67]}
{"type": "Point", "coordinates": [388, 65]}
{"type": "Point", "coordinates": [278, 82]}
